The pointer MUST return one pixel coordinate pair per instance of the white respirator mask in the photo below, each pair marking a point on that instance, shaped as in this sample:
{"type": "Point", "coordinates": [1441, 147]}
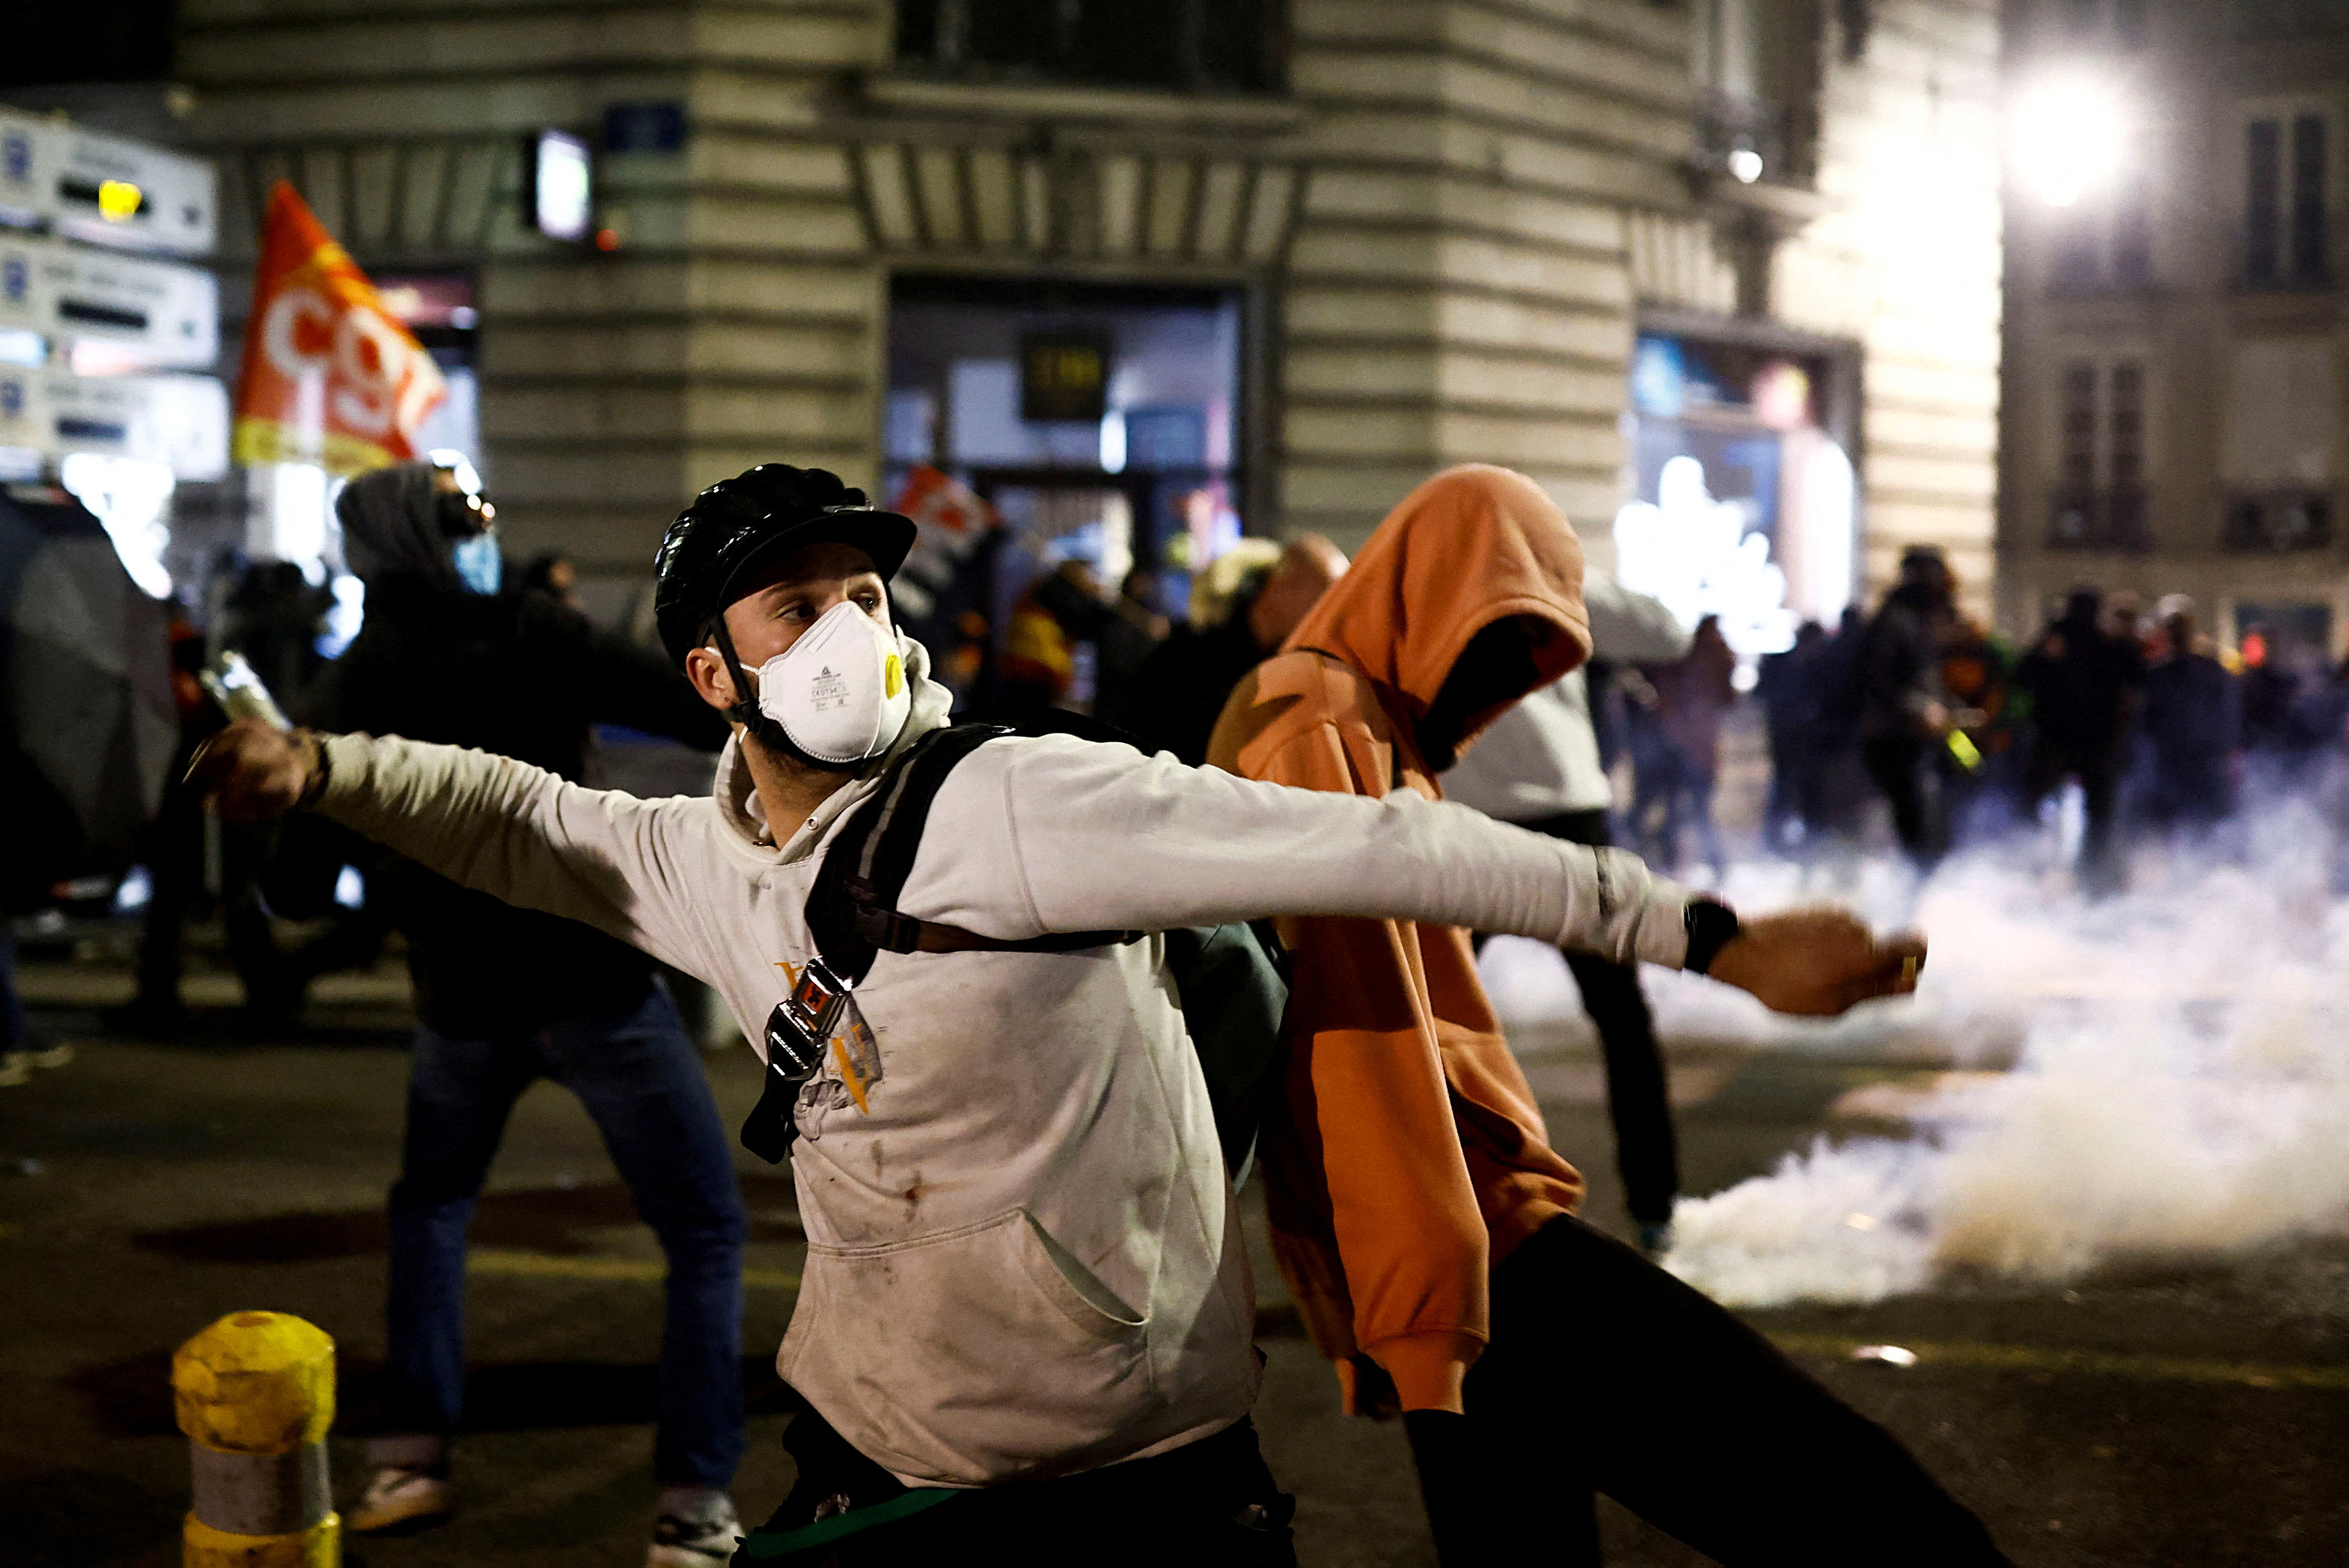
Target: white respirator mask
{"type": "Point", "coordinates": [840, 691]}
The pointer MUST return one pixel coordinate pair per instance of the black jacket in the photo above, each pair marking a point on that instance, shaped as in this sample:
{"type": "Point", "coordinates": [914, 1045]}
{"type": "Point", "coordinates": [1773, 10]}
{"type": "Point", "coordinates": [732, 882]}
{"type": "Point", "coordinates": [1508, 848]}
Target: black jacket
{"type": "Point", "coordinates": [1900, 672]}
{"type": "Point", "coordinates": [2081, 680]}
{"type": "Point", "coordinates": [1179, 692]}
{"type": "Point", "coordinates": [521, 676]}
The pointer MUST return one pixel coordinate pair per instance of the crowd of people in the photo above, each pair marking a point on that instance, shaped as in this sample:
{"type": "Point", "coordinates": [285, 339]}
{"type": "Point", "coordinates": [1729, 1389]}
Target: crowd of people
{"type": "Point", "coordinates": [1967, 737]}
{"type": "Point", "coordinates": [1424, 1224]}
{"type": "Point", "coordinates": [975, 951]}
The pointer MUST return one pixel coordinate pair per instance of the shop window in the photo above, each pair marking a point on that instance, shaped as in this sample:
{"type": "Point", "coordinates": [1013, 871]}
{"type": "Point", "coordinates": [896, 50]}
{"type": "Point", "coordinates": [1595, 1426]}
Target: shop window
{"type": "Point", "coordinates": [2101, 469]}
{"type": "Point", "coordinates": [2286, 221]}
{"type": "Point", "coordinates": [1097, 429]}
{"type": "Point", "coordinates": [1182, 45]}
{"type": "Point", "coordinates": [1744, 504]}
{"type": "Point", "coordinates": [438, 307]}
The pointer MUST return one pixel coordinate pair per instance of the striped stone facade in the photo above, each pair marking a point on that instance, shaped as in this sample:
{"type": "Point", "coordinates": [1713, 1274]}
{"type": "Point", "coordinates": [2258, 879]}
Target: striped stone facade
{"type": "Point", "coordinates": [1450, 230]}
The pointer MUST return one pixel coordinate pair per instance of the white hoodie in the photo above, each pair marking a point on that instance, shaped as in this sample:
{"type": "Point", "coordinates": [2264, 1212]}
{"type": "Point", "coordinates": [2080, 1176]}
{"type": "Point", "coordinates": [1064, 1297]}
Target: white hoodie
{"type": "Point", "coordinates": [1540, 758]}
{"type": "Point", "coordinates": [1023, 1258]}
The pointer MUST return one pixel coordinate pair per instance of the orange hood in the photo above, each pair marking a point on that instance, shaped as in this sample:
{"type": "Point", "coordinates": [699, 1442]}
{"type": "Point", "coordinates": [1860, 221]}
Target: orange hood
{"type": "Point", "coordinates": [1470, 546]}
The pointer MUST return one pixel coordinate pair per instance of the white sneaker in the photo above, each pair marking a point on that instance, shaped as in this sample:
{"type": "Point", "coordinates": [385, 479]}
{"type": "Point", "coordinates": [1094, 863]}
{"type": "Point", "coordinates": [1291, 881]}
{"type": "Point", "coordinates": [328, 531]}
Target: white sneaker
{"type": "Point", "coordinates": [401, 1497]}
{"type": "Point", "coordinates": [694, 1542]}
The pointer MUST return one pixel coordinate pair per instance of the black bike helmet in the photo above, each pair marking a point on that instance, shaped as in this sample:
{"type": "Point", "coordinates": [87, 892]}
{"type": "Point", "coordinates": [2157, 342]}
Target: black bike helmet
{"type": "Point", "coordinates": [738, 522]}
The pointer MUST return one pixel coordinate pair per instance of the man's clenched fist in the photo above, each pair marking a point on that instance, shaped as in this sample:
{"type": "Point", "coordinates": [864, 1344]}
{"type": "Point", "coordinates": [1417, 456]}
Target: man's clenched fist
{"type": "Point", "coordinates": [251, 771]}
{"type": "Point", "coordinates": [1817, 961]}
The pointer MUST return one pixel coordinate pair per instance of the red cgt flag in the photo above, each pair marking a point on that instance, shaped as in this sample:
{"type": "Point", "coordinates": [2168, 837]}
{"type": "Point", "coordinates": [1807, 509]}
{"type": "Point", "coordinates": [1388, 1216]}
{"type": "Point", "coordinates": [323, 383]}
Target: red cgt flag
{"type": "Point", "coordinates": [330, 377]}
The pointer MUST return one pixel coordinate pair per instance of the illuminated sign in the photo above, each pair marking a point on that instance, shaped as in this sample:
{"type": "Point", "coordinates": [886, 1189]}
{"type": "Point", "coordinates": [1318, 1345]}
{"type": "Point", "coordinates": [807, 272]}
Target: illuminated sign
{"type": "Point", "coordinates": [1064, 376]}
{"type": "Point", "coordinates": [559, 192]}
{"type": "Point", "coordinates": [178, 422]}
{"type": "Point", "coordinates": [107, 190]}
{"type": "Point", "coordinates": [162, 313]}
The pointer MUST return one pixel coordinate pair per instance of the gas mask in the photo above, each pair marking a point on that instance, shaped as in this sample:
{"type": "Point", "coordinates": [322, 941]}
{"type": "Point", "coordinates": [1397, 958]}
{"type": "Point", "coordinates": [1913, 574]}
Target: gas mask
{"type": "Point", "coordinates": [840, 694]}
{"type": "Point", "coordinates": [465, 518]}
{"type": "Point", "coordinates": [479, 565]}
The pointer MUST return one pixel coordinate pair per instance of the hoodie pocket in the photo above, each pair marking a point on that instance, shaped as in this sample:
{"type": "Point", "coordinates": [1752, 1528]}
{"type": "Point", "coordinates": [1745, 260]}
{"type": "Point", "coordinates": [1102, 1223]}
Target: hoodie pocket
{"type": "Point", "coordinates": [977, 1355]}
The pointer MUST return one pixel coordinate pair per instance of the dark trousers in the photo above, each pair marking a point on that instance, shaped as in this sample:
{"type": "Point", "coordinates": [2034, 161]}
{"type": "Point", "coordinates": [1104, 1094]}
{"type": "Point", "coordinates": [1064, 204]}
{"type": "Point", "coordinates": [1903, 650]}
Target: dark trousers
{"type": "Point", "coordinates": [2099, 769]}
{"type": "Point", "coordinates": [1902, 767]}
{"type": "Point", "coordinates": [640, 1079]}
{"type": "Point", "coordinates": [1639, 1099]}
{"type": "Point", "coordinates": [1605, 1374]}
{"type": "Point", "coordinates": [1208, 1505]}
{"type": "Point", "coordinates": [1672, 791]}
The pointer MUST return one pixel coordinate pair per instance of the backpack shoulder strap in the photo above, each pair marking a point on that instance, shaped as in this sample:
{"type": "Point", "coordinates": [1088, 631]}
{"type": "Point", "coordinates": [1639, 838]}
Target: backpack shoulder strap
{"type": "Point", "coordinates": [851, 910]}
{"type": "Point", "coordinates": [845, 882]}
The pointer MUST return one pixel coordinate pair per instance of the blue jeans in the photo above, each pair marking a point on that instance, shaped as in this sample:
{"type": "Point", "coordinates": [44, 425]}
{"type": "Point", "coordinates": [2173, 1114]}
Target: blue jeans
{"type": "Point", "coordinates": [636, 1073]}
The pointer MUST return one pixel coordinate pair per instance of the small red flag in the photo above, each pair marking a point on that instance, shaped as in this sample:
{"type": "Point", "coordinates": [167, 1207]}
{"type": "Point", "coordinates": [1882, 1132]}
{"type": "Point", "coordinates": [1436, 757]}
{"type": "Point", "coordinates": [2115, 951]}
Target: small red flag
{"type": "Point", "coordinates": [330, 377]}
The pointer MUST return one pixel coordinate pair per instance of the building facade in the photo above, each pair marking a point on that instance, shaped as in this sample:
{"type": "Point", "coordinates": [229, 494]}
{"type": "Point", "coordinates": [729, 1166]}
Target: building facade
{"type": "Point", "coordinates": [2176, 320]}
{"type": "Point", "coordinates": [1316, 250]}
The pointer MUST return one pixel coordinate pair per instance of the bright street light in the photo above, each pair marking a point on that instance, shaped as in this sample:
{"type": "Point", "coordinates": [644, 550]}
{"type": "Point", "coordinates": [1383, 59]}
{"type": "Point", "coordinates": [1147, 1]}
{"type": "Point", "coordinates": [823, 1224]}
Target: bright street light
{"type": "Point", "coordinates": [2069, 138]}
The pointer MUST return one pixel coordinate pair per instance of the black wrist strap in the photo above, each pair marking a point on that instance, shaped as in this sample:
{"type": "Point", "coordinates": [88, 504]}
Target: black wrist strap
{"type": "Point", "coordinates": [322, 769]}
{"type": "Point", "coordinates": [1711, 925]}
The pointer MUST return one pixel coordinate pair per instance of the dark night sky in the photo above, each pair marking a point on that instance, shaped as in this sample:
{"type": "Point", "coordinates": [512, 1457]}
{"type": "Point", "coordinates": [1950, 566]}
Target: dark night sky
{"type": "Point", "coordinates": [54, 41]}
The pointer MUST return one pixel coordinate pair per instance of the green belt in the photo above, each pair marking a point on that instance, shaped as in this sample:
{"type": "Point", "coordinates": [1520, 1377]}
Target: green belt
{"type": "Point", "coordinates": [823, 1531]}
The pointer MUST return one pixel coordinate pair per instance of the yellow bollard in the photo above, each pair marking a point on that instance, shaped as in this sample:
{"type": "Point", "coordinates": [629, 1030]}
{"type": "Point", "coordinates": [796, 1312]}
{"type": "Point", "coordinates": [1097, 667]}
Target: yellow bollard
{"type": "Point", "coordinates": [256, 1393]}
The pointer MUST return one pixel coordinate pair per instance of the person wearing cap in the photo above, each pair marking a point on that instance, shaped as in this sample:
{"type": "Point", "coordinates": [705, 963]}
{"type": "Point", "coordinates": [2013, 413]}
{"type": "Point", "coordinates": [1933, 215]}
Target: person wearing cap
{"type": "Point", "coordinates": [452, 652]}
{"type": "Point", "coordinates": [1026, 1313]}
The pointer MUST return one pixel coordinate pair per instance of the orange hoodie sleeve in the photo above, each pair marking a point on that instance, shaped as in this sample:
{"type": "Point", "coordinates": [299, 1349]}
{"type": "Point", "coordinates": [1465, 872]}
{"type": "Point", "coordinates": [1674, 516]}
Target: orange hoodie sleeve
{"type": "Point", "coordinates": [1376, 1223]}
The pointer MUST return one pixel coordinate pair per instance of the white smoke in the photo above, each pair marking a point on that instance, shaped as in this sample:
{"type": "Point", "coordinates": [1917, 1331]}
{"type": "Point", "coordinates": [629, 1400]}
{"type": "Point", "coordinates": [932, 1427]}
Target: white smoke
{"type": "Point", "coordinates": [2179, 1082]}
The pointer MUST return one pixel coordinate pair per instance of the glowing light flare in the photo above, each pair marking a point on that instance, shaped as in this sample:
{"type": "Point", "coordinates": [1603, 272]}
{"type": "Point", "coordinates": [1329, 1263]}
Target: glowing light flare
{"type": "Point", "coordinates": [2070, 139]}
{"type": "Point", "coordinates": [118, 201]}
{"type": "Point", "coordinates": [1745, 165]}
{"type": "Point", "coordinates": [129, 497]}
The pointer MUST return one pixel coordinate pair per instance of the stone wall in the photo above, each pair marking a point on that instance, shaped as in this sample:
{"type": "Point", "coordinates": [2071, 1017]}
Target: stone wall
{"type": "Point", "coordinates": [738, 321]}
{"type": "Point", "coordinates": [1449, 232]}
{"type": "Point", "coordinates": [1459, 290]}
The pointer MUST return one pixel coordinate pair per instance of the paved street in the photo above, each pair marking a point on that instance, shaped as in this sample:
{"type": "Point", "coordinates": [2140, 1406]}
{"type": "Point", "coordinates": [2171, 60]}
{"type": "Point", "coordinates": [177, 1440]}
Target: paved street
{"type": "Point", "coordinates": [2193, 1417]}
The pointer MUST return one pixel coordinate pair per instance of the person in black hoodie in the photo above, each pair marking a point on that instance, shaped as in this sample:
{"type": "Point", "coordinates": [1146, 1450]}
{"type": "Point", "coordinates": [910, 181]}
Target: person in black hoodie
{"type": "Point", "coordinates": [2085, 683]}
{"type": "Point", "coordinates": [506, 996]}
{"type": "Point", "coordinates": [1905, 713]}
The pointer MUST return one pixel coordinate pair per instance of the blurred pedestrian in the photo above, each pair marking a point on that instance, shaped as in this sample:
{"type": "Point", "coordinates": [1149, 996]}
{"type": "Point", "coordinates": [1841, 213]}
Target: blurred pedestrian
{"type": "Point", "coordinates": [1682, 760]}
{"type": "Point", "coordinates": [2193, 731]}
{"type": "Point", "coordinates": [1978, 761]}
{"type": "Point", "coordinates": [1787, 686]}
{"type": "Point", "coordinates": [552, 574]}
{"type": "Point", "coordinates": [173, 853]}
{"type": "Point", "coordinates": [1425, 1223]}
{"type": "Point", "coordinates": [2083, 683]}
{"type": "Point", "coordinates": [275, 617]}
{"type": "Point", "coordinates": [1537, 767]}
{"type": "Point", "coordinates": [1906, 714]}
{"type": "Point", "coordinates": [506, 996]}
{"type": "Point", "coordinates": [1243, 608]}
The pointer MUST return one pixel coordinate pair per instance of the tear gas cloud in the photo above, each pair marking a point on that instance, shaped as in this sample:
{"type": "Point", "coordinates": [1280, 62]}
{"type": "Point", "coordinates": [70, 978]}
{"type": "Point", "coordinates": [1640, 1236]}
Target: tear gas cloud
{"type": "Point", "coordinates": [2179, 1083]}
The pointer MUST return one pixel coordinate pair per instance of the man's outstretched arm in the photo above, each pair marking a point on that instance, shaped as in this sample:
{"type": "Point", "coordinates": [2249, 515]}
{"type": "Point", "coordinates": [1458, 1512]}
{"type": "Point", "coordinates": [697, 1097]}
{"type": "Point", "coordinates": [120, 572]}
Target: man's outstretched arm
{"type": "Point", "coordinates": [1059, 834]}
{"type": "Point", "coordinates": [517, 832]}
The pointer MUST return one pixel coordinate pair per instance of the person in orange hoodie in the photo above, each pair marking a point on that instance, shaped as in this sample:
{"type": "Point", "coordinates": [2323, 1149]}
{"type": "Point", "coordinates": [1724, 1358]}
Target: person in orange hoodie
{"type": "Point", "coordinates": [1424, 1222]}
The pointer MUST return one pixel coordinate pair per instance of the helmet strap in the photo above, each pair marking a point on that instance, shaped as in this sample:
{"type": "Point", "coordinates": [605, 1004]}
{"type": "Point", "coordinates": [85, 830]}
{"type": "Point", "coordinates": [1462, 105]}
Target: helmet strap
{"type": "Point", "coordinates": [746, 711]}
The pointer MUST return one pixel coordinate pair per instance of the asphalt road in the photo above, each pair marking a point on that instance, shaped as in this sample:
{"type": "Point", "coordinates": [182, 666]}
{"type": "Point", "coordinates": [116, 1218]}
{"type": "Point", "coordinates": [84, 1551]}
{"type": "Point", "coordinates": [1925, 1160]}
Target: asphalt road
{"type": "Point", "coordinates": [2193, 1417]}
